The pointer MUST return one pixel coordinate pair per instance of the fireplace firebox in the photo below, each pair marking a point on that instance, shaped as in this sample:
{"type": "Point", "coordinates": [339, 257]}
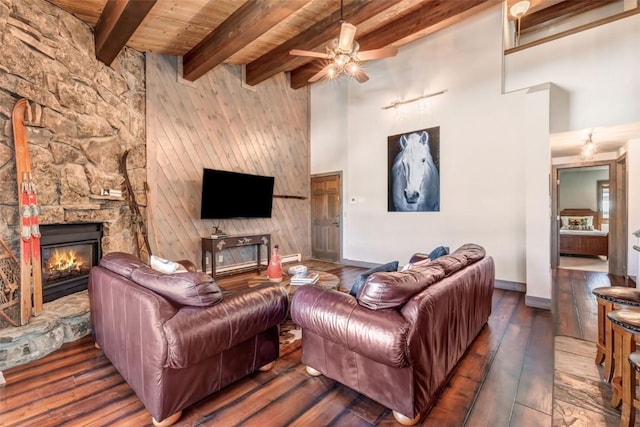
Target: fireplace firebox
{"type": "Point", "coordinates": [68, 253]}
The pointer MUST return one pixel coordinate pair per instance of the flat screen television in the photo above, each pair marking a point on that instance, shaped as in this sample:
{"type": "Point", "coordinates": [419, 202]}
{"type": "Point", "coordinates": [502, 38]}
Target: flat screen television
{"type": "Point", "coordinates": [235, 195]}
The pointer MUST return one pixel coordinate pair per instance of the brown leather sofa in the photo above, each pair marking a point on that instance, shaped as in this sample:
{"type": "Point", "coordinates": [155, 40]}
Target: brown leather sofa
{"type": "Point", "coordinates": [175, 339]}
{"type": "Point", "coordinates": [399, 340]}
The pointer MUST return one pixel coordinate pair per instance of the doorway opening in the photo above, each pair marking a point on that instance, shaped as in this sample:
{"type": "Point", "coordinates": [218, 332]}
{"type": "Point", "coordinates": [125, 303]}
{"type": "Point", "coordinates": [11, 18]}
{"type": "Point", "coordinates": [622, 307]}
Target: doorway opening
{"type": "Point", "coordinates": [326, 217]}
{"type": "Point", "coordinates": [589, 208]}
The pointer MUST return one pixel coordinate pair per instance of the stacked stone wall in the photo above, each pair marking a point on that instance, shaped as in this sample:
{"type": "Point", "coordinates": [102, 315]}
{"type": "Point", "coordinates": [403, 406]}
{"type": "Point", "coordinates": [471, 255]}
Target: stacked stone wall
{"type": "Point", "coordinates": [84, 115]}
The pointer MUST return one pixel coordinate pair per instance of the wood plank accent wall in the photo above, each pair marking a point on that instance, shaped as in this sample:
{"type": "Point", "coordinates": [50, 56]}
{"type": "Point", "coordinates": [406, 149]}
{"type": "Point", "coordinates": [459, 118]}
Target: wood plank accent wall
{"type": "Point", "coordinates": [216, 123]}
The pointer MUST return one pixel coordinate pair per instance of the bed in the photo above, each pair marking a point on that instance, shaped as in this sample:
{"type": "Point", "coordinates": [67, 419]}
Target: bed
{"type": "Point", "coordinates": [581, 234]}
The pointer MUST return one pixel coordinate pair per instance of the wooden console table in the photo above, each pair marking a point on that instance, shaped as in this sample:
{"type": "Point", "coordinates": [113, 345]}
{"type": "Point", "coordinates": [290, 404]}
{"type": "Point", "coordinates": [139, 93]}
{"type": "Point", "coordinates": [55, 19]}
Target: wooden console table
{"type": "Point", "coordinates": [214, 246]}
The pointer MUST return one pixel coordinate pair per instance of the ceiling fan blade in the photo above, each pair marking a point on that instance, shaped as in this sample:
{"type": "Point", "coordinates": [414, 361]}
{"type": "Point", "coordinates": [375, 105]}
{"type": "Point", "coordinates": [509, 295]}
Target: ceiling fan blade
{"type": "Point", "coordinates": [384, 52]}
{"type": "Point", "coordinates": [298, 52]}
{"type": "Point", "coordinates": [347, 34]}
{"type": "Point", "coordinates": [361, 76]}
{"type": "Point", "coordinates": [320, 74]}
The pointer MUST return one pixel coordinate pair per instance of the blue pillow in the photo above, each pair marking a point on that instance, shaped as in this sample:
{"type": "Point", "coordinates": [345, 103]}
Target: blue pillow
{"type": "Point", "coordinates": [390, 266]}
{"type": "Point", "coordinates": [438, 252]}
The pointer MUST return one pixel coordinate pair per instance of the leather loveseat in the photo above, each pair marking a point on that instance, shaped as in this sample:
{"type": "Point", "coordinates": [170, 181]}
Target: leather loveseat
{"type": "Point", "coordinates": [174, 338]}
{"type": "Point", "coordinates": [400, 338]}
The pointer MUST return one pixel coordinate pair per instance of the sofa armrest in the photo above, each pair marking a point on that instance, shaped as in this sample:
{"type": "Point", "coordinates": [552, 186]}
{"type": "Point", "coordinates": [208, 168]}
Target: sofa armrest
{"type": "Point", "coordinates": [379, 335]}
{"type": "Point", "coordinates": [198, 333]}
{"type": "Point", "coordinates": [127, 324]}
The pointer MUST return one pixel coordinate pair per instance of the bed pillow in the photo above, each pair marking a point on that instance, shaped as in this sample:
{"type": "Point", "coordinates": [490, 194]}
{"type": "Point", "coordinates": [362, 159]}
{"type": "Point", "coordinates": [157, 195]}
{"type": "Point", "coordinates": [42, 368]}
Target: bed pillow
{"type": "Point", "coordinates": [576, 220]}
{"type": "Point", "coordinates": [388, 267]}
{"type": "Point", "coordinates": [584, 221]}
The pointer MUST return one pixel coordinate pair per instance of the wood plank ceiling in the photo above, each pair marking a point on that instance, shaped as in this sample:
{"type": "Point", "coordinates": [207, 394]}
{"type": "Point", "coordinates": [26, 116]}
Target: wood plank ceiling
{"type": "Point", "coordinates": [260, 33]}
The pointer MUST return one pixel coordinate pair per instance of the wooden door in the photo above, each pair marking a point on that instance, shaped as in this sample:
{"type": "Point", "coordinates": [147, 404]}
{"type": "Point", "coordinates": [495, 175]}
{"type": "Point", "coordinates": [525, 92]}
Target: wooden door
{"type": "Point", "coordinates": [619, 232]}
{"type": "Point", "coordinates": [326, 218]}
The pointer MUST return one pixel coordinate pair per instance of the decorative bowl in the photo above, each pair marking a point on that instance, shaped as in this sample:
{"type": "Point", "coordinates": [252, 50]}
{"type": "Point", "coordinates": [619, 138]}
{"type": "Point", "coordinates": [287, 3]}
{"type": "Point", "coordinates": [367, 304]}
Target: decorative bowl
{"type": "Point", "coordinates": [298, 270]}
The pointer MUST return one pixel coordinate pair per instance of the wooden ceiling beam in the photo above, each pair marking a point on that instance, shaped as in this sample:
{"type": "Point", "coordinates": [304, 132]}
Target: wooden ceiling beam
{"type": "Point", "coordinates": [313, 38]}
{"type": "Point", "coordinates": [245, 25]}
{"type": "Point", "coordinates": [431, 14]}
{"type": "Point", "coordinates": [117, 23]}
{"type": "Point", "coordinates": [565, 9]}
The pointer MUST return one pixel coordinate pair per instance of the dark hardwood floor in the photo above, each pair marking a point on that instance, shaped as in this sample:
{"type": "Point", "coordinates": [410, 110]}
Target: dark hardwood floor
{"type": "Point", "coordinates": [581, 396]}
{"type": "Point", "coordinates": [505, 379]}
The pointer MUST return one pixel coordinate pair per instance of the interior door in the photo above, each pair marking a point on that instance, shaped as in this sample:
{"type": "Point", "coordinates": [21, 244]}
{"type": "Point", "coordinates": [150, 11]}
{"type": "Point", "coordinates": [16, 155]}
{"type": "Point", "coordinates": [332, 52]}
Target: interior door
{"type": "Point", "coordinates": [326, 219]}
{"type": "Point", "coordinates": [618, 261]}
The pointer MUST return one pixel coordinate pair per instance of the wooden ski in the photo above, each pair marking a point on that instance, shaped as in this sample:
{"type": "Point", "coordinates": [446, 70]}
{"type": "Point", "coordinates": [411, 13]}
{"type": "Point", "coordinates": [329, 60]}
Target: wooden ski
{"type": "Point", "coordinates": [30, 262]}
{"type": "Point", "coordinates": [142, 239]}
{"type": "Point", "coordinates": [36, 256]}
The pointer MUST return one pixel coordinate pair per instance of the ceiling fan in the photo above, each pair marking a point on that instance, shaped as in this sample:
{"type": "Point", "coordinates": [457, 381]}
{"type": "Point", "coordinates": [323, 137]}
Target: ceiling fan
{"type": "Point", "coordinates": [344, 55]}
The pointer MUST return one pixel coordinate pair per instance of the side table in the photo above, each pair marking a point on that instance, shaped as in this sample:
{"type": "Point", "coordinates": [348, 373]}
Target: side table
{"type": "Point", "coordinates": [214, 246]}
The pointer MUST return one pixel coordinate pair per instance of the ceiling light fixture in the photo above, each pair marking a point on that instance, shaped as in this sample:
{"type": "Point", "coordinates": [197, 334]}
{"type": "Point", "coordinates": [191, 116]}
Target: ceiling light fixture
{"type": "Point", "coordinates": [589, 148]}
{"type": "Point", "coordinates": [517, 11]}
{"type": "Point", "coordinates": [344, 56]}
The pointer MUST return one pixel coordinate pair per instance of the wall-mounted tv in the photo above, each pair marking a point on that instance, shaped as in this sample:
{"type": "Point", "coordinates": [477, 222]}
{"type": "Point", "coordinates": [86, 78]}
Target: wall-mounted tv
{"type": "Point", "coordinates": [235, 195]}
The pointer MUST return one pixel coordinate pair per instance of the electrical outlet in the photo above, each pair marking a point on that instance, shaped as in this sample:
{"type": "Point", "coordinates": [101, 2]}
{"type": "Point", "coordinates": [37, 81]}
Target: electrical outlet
{"type": "Point", "coordinates": [220, 258]}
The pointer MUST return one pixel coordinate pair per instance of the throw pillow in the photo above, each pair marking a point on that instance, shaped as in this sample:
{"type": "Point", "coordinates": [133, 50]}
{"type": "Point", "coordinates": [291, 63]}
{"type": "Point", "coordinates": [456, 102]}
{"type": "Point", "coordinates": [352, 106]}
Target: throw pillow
{"type": "Point", "coordinates": [438, 252]}
{"type": "Point", "coordinates": [165, 266]}
{"type": "Point", "coordinates": [390, 266]}
{"type": "Point", "coordinates": [194, 289]}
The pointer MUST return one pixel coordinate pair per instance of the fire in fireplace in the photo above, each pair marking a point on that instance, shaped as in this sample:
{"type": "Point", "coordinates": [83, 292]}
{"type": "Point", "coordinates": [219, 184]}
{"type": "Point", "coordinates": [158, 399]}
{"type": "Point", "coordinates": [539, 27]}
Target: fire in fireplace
{"type": "Point", "coordinates": [68, 253]}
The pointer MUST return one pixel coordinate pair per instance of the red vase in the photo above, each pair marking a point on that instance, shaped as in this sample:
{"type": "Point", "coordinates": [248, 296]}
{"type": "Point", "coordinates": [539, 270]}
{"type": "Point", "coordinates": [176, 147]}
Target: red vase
{"type": "Point", "coordinates": [274, 270]}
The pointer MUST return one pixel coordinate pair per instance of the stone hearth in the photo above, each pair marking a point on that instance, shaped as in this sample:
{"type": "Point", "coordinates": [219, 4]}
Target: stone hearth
{"type": "Point", "coordinates": [63, 320]}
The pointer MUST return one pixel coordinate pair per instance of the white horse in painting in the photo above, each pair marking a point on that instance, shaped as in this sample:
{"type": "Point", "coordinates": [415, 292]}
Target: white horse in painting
{"type": "Point", "coordinates": [415, 178]}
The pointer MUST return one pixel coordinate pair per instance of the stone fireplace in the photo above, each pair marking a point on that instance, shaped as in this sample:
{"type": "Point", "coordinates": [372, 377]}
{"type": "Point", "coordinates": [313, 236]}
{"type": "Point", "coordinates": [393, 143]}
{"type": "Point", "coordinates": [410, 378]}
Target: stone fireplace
{"type": "Point", "coordinates": [83, 116]}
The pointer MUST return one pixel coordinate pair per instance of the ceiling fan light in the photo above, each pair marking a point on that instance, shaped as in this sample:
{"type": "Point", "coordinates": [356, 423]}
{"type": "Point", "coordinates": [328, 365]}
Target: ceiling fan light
{"type": "Point", "coordinates": [341, 60]}
{"type": "Point", "coordinates": [589, 149]}
{"type": "Point", "coordinates": [332, 72]}
{"type": "Point", "coordinates": [520, 8]}
{"type": "Point", "coordinates": [353, 68]}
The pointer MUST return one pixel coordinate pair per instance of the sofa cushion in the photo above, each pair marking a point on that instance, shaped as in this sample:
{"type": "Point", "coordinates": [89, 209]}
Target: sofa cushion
{"type": "Point", "coordinates": [121, 263]}
{"type": "Point", "coordinates": [472, 252]}
{"type": "Point", "coordinates": [388, 290]}
{"type": "Point", "coordinates": [452, 263]}
{"type": "Point", "coordinates": [390, 266]}
{"type": "Point", "coordinates": [465, 255]}
{"type": "Point", "coordinates": [195, 289]}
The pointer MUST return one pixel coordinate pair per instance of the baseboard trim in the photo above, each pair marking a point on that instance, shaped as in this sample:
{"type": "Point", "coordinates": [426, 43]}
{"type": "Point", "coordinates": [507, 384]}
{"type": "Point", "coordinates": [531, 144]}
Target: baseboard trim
{"type": "Point", "coordinates": [510, 286]}
{"type": "Point", "coordinates": [354, 263]}
{"type": "Point", "coordinates": [537, 302]}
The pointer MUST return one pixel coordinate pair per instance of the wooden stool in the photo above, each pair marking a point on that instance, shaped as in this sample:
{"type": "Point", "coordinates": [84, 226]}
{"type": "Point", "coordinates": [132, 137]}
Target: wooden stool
{"type": "Point", "coordinates": [608, 298]}
{"type": "Point", "coordinates": [634, 361]}
{"type": "Point", "coordinates": [626, 324]}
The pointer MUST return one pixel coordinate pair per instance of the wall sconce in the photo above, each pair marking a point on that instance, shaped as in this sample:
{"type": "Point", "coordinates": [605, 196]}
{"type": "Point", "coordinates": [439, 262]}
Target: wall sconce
{"type": "Point", "coordinates": [396, 104]}
{"type": "Point", "coordinates": [517, 11]}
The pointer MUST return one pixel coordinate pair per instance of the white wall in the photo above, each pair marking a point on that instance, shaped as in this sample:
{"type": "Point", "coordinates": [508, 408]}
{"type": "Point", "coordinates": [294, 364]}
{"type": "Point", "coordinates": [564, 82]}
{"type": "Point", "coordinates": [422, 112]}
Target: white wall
{"type": "Point", "coordinates": [633, 179]}
{"type": "Point", "coordinates": [482, 185]}
{"type": "Point", "coordinates": [578, 187]}
{"type": "Point", "coordinates": [494, 158]}
{"type": "Point", "coordinates": [598, 67]}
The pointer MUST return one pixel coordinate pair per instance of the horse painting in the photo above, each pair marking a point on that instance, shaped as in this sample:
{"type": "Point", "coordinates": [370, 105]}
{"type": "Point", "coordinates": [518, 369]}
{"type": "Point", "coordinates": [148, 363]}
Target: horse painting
{"type": "Point", "coordinates": [415, 180]}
